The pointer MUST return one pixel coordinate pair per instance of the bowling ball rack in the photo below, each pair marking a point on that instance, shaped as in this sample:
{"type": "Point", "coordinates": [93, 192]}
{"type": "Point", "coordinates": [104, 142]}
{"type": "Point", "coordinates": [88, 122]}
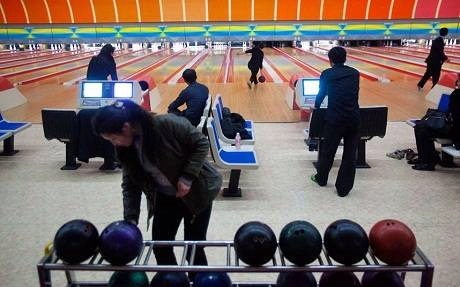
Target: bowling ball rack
{"type": "Point", "coordinates": [231, 264]}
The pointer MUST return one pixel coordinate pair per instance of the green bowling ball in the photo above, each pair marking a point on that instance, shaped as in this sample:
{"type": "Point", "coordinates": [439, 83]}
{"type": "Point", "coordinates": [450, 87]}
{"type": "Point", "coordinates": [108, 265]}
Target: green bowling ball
{"type": "Point", "coordinates": [129, 278]}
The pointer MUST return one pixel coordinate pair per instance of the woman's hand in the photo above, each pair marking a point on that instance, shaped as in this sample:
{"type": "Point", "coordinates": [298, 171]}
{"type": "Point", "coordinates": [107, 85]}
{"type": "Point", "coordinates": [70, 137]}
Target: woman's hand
{"type": "Point", "coordinates": [182, 188]}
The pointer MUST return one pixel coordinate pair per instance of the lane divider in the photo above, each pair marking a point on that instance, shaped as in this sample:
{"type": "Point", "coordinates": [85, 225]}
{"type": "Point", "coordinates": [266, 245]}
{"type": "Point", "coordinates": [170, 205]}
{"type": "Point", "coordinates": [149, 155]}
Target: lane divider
{"type": "Point", "coordinates": [224, 67]}
{"type": "Point", "coordinates": [423, 65]}
{"type": "Point", "coordinates": [313, 71]}
{"type": "Point", "coordinates": [7, 75]}
{"type": "Point", "coordinates": [426, 53]}
{"type": "Point", "coordinates": [174, 77]}
{"type": "Point", "coordinates": [33, 57]}
{"type": "Point", "coordinates": [362, 73]}
{"type": "Point", "coordinates": [119, 66]}
{"type": "Point", "coordinates": [54, 74]}
{"type": "Point", "coordinates": [404, 53]}
{"type": "Point", "coordinates": [16, 57]}
{"type": "Point", "coordinates": [277, 76]}
{"type": "Point", "coordinates": [230, 72]}
{"type": "Point", "coordinates": [154, 65]}
{"type": "Point", "coordinates": [194, 66]}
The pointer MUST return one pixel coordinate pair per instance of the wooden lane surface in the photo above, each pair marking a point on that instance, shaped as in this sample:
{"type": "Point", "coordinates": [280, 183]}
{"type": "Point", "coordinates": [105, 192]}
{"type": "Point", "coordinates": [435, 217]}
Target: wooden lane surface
{"type": "Point", "coordinates": [401, 95]}
{"type": "Point", "coordinates": [171, 66]}
{"type": "Point", "coordinates": [286, 67]}
{"type": "Point", "coordinates": [208, 70]}
{"type": "Point", "coordinates": [85, 61]}
{"type": "Point", "coordinates": [402, 54]}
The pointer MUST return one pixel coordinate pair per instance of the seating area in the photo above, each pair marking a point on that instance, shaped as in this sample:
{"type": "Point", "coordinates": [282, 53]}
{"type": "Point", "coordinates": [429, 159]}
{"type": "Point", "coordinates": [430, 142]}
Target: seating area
{"type": "Point", "coordinates": [373, 123]}
{"type": "Point", "coordinates": [8, 130]}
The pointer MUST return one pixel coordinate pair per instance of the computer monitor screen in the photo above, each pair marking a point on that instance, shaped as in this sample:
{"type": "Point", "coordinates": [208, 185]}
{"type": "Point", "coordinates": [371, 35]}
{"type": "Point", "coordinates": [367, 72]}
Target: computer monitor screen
{"type": "Point", "coordinates": [443, 105]}
{"type": "Point", "coordinates": [92, 90]}
{"type": "Point", "coordinates": [310, 87]}
{"type": "Point", "coordinates": [123, 90]}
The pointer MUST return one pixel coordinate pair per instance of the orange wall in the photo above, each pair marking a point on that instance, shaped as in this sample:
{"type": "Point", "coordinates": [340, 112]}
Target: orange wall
{"type": "Point", "coordinates": [82, 11]}
{"type": "Point", "coordinates": [379, 9]}
{"type": "Point", "coordinates": [37, 11]}
{"type": "Point", "coordinates": [195, 10]}
{"type": "Point", "coordinates": [356, 9]}
{"type": "Point", "coordinates": [14, 12]}
{"type": "Point", "coordinates": [150, 10]}
{"type": "Point", "coordinates": [241, 10]}
{"type": "Point", "coordinates": [264, 10]}
{"type": "Point", "coordinates": [287, 10]}
{"type": "Point", "coordinates": [127, 11]}
{"type": "Point", "coordinates": [333, 9]}
{"type": "Point", "coordinates": [449, 9]}
{"type": "Point", "coordinates": [105, 11]}
{"type": "Point", "coordinates": [218, 10]}
{"type": "Point", "coordinates": [309, 10]}
{"type": "Point", "coordinates": [59, 11]}
{"type": "Point", "coordinates": [402, 9]}
{"type": "Point", "coordinates": [172, 11]}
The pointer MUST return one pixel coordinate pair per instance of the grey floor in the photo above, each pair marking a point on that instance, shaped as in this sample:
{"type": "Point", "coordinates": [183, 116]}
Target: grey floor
{"type": "Point", "coordinates": [36, 198]}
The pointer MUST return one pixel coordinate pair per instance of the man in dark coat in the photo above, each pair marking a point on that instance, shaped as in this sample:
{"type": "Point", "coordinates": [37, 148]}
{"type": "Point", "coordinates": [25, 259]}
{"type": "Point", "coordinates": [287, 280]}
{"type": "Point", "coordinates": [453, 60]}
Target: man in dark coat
{"type": "Point", "coordinates": [341, 84]}
{"type": "Point", "coordinates": [194, 96]}
{"type": "Point", "coordinates": [103, 65]}
{"type": "Point", "coordinates": [434, 60]}
{"type": "Point", "coordinates": [255, 63]}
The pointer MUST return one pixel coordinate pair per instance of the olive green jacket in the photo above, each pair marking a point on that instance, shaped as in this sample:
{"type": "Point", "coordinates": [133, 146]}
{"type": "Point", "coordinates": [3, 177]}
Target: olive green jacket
{"type": "Point", "coordinates": [178, 149]}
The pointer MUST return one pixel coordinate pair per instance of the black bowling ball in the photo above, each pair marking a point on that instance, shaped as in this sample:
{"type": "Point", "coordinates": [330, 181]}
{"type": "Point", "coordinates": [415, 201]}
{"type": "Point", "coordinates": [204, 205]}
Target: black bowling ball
{"type": "Point", "coordinates": [76, 241]}
{"type": "Point", "coordinates": [346, 241]}
{"type": "Point", "coordinates": [382, 279]}
{"type": "Point", "coordinates": [170, 279]}
{"type": "Point", "coordinates": [339, 279]}
{"type": "Point", "coordinates": [300, 242]}
{"type": "Point", "coordinates": [297, 279]}
{"type": "Point", "coordinates": [255, 243]}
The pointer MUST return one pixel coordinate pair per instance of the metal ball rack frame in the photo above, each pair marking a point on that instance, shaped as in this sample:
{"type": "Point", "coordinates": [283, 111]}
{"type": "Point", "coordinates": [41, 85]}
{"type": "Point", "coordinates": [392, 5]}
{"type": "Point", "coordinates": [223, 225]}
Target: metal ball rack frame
{"type": "Point", "coordinates": [420, 263]}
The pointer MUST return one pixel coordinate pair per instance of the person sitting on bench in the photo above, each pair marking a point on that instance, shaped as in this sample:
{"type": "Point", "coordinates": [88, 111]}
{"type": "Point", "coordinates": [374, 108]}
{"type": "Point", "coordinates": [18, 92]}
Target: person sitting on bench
{"type": "Point", "coordinates": [428, 157]}
{"type": "Point", "coordinates": [342, 120]}
{"type": "Point", "coordinates": [195, 96]}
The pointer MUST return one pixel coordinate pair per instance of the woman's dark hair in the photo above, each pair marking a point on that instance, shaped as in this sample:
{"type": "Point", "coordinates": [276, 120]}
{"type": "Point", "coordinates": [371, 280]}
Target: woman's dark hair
{"type": "Point", "coordinates": [144, 85]}
{"type": "Point", "coordinates": [443, 31]}
{"type": "Point", "coordinates": [337, 55]}
{"type": "Point", "coordinates": [110, 119]}
{"type": "Point", "coordinates": [107, 50]}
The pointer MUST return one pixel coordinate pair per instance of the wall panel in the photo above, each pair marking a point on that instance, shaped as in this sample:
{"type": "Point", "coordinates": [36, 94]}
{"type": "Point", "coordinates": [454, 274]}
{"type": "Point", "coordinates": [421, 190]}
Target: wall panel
{"type": "Point", "coordinates": [264, 10]}
{"type": "Point", "coordinates": [172, 11]}
{"type": "Point", "coordinates": [402, 9]}
{"type": "Point", "coordinates": [37, 11]}
{"type": "Point", "coordinates": [195, 10]}
{"type": "Point", "coordinates": [150, 10]}
{"type": "Point", "coordinates": [379, 9]}
{"type": "Point", "coordinates": [14, 12]}
{"type": "Point", "coordinates": [426, 8]}
{"type": "Point", "coordinates": [218, 10]}
{"type": "Point", "coordinates": [241, 10]}
{"type": "Point", "coordinates": [356, 9]}
{"type": "Point", "coordinates": [59, 11]}
{"type": "Point", "coordinates": [309, 9]}
{"type": "Point", "coordinates": [105, 12]}
{"type": "Point", "coordinates": [333, 9]}
{"type": "Point", "coordinates": [127, 11]}
{"type": "Point", "coordinates": [81, 11]}
{"type": "Point", "coordinates": [287, 10]}
{"type": "Point", "coordinates": [449, 9]}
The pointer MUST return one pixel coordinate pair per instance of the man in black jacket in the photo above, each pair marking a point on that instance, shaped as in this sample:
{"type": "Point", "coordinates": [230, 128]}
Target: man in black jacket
{"type": "Point", "coordinates": [103, 65]}
{"type": "Point", "coordinates": [195, 96]}
{"type": "Point", "coordinates": [255, 63]}
{"type": "Point", "coordinates": [341, 84]}
{"type": "Point", "coordinates": [434, 60]}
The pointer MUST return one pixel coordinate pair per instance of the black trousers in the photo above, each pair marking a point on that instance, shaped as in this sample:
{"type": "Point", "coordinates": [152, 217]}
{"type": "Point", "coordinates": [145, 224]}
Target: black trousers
{"type": "Point", "coordinates": [333, 134]}
{"type": "Point", "coordinates": [253, 78]}
{"type": "Point", "coordinates": [169, 212]}
{"type": "Point", "coordinates": [433, 71]}
{"type": "Point", "coordinates": [424, 136]}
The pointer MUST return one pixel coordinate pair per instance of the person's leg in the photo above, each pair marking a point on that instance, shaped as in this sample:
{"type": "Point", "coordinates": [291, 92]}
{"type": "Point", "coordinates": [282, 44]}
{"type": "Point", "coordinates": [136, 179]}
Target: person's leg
{"type": "Point", "coordinates": [346, 176]}
{"type": "Point", "coordinates": [327, 150]}
{"type": "Point", "coordinates": [196, 228]}
{"type": "Point", "coordinates": [425, 146]}
{"type": "Point", "coordinates": [166, 221]}
{"type": "Point", "coordinates": [436, 74]}
{"type": "Point", "coordinates": [426, 76]}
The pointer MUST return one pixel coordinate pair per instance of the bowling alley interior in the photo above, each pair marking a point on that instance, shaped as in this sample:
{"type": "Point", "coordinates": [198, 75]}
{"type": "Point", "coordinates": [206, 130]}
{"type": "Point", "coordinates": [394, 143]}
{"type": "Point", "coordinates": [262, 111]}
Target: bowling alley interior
{"type": "Point", "coordinates": [297, 143]}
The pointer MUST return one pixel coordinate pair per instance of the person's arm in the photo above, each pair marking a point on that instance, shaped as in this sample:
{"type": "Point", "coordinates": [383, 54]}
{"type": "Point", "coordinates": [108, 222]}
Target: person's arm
{"type": "Point", "coordinates": [113, 72]}
{"type": "Point", "coordinates": [131, 199]}
{"type": "Point", "coordinates": [248, 51]}
{"type": "Point", "coordinates": [322, 91]}
{"type": "Point", "coordinates": [179, 101]}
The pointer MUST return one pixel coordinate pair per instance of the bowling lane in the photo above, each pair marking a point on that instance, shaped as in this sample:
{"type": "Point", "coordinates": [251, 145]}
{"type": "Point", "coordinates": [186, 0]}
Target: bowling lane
{"type": "Point", "coordinates": [23, 77]}
{"type": "Point", "coordinates": [400, 95]}
{"type": "Point", "coordinates": [452, 64]}
{"type": "Point", "coordinates": [208, 71]}
{"type": "Point", "coordinates": [171, 66]}
{"type": "Point", "coordinates": [20, 55]}
{"type": "Point", "coordinates": [45, 63]}
{"type": "Point", "coordinates": [286, 67]}
{"type": "Point", "coordinates": [122, 72]}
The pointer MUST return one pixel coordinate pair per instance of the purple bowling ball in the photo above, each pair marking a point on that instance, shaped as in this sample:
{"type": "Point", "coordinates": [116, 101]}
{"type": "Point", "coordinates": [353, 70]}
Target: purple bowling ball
{"type": "Point", "coordinates": [120, 242]}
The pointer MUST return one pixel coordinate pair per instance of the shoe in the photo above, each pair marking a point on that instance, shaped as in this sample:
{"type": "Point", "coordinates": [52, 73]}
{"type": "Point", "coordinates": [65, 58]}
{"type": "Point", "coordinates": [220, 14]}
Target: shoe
{"type": "Point", "coordinates": [410, 154]}
{"type": "Point", "coordinates": [313, 178]}
{"type": "Point", "coordinates": [397, 154]}
{"type": "Point", "coordinates": [423, 166]}
{"type": "Point", "coordinates": [414, 161]}
{"type": "Point", "coordinates": [249, 84]}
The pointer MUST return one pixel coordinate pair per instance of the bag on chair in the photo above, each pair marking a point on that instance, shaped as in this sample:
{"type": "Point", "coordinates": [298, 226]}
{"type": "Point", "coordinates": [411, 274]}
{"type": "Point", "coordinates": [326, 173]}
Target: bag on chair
{"type": "Point", "coordinates": [437, 120]}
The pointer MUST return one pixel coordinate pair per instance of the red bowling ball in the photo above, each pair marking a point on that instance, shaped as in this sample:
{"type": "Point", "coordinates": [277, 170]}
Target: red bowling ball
{"type": "Point", "coordinates": [392, 242]}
